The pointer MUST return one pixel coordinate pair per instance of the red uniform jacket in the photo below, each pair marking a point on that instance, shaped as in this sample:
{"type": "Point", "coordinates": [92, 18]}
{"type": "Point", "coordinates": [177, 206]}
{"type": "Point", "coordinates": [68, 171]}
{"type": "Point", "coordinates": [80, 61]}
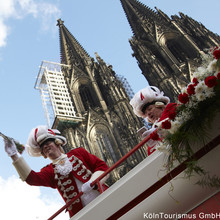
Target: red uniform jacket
{"type": "Point", "coordinates": [170, 108]}
{"type": "Point", "coordinates": [84, 164]}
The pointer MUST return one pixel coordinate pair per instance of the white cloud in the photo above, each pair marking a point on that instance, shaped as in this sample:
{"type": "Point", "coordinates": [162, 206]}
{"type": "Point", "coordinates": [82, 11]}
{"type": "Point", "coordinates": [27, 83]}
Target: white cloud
{"type": "Point", "coordinates": [3, 33]}
{"type": "Point", "coordinates": [47, 13]}
{"type": "Point", "coordinates": [6, 8]}
{"type": "Point", "coordinates": [18, 200]}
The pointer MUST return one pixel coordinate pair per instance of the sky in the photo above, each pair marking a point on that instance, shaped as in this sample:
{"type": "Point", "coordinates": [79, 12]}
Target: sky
{"type": "Point", "coordinates": [29, 35]}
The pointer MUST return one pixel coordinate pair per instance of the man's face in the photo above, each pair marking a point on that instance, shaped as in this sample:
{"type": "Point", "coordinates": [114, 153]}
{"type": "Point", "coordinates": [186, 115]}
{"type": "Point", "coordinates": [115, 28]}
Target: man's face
{"type": "Point", "coordinates": [153, 113]}
{"type": "Point", "coordinates": [50, 149]}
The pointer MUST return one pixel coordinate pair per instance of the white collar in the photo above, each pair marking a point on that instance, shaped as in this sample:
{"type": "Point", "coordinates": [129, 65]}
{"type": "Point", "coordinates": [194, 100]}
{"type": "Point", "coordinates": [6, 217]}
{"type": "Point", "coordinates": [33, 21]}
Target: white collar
{"type": "Point", "coordinates": [61, 157]}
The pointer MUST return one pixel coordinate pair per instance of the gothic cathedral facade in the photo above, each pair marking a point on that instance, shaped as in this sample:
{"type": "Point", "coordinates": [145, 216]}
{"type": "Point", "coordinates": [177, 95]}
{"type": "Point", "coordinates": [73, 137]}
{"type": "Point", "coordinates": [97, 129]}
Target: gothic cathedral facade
{"type": "Point", "coordinates": [108, 126]}
{"type": "Point", "coordinates": [167, 50]}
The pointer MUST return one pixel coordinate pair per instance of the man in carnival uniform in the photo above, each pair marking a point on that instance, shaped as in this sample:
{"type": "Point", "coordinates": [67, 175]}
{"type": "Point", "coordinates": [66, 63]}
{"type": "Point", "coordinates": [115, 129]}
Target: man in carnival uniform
{"type": "Point", "coordinates": [69, 173]}
{"type": "Point", "coordinates": [150, 103]}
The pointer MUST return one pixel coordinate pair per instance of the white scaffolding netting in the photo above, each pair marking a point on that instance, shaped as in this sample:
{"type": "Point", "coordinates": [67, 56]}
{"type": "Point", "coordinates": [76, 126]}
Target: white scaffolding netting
{"type": "Point", "coordinates": [54, 92]}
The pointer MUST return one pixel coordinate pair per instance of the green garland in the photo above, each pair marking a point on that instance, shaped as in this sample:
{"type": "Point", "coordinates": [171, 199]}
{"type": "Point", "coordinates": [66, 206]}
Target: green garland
{"type": "Point", "coordinates": [194, 130]}
{"type": "Point", "coordinates": [195, 119]}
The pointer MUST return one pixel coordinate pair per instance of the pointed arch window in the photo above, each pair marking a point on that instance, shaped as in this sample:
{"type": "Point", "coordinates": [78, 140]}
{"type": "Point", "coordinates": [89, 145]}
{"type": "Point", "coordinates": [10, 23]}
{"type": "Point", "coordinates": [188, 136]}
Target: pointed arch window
{"type": "Point", "coordinates": [176, 50]}
{"type": "Point", "coordinates": [105, 147]}
{"type": "Point", "coordinates": [86, 96]}
{"type": "Point", "coordinates": [181, 51]}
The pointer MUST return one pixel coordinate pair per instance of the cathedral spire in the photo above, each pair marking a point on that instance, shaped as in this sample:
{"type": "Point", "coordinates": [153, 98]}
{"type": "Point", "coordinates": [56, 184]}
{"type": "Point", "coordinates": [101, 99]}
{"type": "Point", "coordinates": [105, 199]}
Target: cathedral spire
{"type": "Point", "coordinates": [138, 15]}
{"type": "Point", "coordinates": [72, 53]}
{"type": "Point", "coordinates": [167, 49]}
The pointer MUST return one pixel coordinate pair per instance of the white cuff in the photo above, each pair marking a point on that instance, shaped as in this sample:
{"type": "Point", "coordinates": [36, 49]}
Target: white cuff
{"type": "Point", "coordinates": [22, 168]}
{"type": "Point", "coordinates": [97, 174]}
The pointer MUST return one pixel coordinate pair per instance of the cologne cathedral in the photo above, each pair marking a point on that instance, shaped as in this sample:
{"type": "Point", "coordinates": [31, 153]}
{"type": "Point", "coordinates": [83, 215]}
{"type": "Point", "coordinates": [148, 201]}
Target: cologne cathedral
{"type": "Point", "coordinates": [167, 50]}
{"type": "Point", "coordinates": [90, 103]}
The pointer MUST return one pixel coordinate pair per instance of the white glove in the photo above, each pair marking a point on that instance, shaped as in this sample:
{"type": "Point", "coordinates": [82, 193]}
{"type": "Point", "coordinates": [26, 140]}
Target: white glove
{"type": "Point", "coordinates": [148, 132]}
{"type": "Point", "coordinates": [86, 187]}
{"type": "Point", "coordinates": [150, 142]}
{"type": "Point", "coordinates": [10, 147]}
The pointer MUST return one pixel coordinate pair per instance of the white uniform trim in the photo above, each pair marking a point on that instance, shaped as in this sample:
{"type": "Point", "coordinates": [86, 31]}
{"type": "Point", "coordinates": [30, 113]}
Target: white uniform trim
{"type": "Point", "coordinates": [22, 168]}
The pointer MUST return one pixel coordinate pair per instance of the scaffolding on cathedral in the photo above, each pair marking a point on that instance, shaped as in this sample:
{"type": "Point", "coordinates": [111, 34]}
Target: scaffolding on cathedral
{"type": "Point", "coordinates": [126, 85]}
{"type": "Point", "coordinates": [56, 99]}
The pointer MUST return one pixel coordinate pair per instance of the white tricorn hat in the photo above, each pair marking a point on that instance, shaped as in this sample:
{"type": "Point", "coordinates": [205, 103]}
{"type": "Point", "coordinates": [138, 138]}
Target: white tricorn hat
{"type": "Point", "coordinates": [38, 136]}
{"type": "Point", "coordinates": [147, 96]}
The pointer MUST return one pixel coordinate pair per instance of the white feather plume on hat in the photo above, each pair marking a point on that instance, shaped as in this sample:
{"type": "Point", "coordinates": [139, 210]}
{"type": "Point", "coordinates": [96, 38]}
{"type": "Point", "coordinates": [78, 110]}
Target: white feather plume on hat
{"type": "Point", "coordinates": [39, 135]}
{"type": "Point", "coordinates": [146, 95]}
